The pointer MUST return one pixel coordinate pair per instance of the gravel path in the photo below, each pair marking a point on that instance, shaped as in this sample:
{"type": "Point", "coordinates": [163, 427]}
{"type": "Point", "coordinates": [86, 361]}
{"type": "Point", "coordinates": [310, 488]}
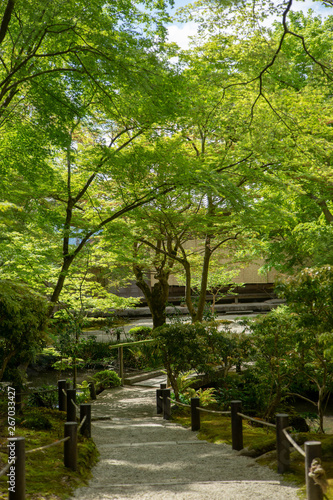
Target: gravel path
{"type": "Point", "coordinates": [143, 457]}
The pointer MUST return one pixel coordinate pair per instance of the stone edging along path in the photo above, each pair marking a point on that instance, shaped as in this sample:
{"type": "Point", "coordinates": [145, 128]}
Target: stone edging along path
{"type": "Point", "coordinates": [143, 457]}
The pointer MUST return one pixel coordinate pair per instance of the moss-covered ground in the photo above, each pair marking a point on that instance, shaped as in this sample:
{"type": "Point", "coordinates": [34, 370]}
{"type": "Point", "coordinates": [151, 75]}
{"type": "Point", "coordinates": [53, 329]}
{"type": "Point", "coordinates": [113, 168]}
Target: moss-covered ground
{"type": "Point", "coordinates": [260, 441]}
{"type": "Point", "coordinates": [46, 476]}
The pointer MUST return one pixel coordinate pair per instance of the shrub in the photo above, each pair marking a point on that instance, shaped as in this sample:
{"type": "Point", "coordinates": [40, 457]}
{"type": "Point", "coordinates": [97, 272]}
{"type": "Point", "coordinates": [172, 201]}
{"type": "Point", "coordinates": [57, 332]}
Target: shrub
{"type": "Point", "coordinates": [82, 392]}
{"type": "Point", "coordinates": [106, 378]}
{"type": "Point", "coordinates": [65, 364]}
{"type": "Point", "coordinates": [200, 347]}
{"type": "Point", "coordinates": [92, 351]}
{"type": "Point", "coordinates": [184, 347]}
{"type": "Point", "coordinates": [37, 422]}
{"type": "Point", "coordinates": [143, 356]}
{"type": "Point", "coordinates": [44, 399]}
{"type": "Point", "coordinates": [140, 332]}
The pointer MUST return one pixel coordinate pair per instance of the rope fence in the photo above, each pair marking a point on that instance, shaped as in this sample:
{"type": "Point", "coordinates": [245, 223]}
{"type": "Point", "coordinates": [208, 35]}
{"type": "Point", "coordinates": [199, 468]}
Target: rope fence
{"type": "Point", "coordinates": [4, 470]}
{"type": "Point", "coordinates": [292, 442]}
{"type": "Point", "coordinates": [16, 445]}
{"type": "Point", "coordinates": [76, 406]}
{"type": "Point", "coordinates": [82, 422]}
{"type": "Point", "coordinates": [48, 445]}
{"type": "Point", "coordinates": [315, 479]}
{"type": "Point", "coordinates": [214, 411]}
{"type": "Point", "coordinates": [257, 420]}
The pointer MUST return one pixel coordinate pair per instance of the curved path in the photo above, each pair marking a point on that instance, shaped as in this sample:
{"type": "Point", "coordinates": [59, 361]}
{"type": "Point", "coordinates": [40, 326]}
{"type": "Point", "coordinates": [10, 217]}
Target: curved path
{"type": "Point", "coordinates": [143, 457]}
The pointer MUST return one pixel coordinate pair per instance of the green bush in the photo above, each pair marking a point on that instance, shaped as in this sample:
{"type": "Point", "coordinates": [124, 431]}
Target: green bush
{"type": "Point", "coordinates": [65, 364]}
{"type": "Point", "coordinates": [106, 379]}
{"type": "Point", "coordinates": [92, 351]}
{"type": "Point", "coordinates": [37, 422]}
{"type": "Point", "coordinates": [199, 346]}
{"type": "Point", "coordinates": [43, 399]}
{"type": "Point", "coordinates": [184, 347]}
{"type": "Point", "coordinates": [140, 332]}
{"type": "Point", "coordinates": [143, 356]}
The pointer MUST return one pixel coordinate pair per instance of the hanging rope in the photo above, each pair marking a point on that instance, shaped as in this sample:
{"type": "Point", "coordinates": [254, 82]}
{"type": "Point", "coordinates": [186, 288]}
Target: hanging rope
{"type": "Point", "coordinates": [318, 474]}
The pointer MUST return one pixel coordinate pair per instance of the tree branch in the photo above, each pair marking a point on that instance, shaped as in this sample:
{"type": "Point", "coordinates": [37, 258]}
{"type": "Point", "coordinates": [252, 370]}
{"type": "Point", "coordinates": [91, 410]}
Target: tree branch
{"type": "Point", "coordinates": [6, 19]}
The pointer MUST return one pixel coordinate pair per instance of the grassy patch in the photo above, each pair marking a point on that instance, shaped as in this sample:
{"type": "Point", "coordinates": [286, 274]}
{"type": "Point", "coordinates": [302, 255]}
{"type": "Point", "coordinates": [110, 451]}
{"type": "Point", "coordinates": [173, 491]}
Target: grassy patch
{"type": "Point", "coordinates": [46, 476]}
{"type": "Point", "coordinates": [262, 443]}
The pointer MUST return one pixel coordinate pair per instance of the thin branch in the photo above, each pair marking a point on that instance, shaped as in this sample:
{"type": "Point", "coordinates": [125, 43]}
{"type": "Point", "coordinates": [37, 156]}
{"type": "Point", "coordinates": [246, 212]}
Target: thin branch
{"type": "Point", "coordinates": [139, 203]}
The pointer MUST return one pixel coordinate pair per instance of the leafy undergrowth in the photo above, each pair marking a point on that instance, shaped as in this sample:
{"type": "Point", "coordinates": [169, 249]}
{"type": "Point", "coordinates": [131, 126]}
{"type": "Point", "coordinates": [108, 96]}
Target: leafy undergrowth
{"type": "Point", "coordinates": [261, 443]}
{"type": "Point", "coordinates": [46, 476]}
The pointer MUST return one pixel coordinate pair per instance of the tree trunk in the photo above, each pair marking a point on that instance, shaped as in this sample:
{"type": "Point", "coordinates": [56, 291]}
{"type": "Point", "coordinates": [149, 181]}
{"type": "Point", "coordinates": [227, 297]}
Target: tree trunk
{"type": "Point", "coordinates": [5, 363]}
{"type": "Point", "coordinates": [159, 298]}
{"type": "Point", "coordinates": [60, 283]}
{"type": "Point", "coordinates": [204, 281]}
{"type": "Point", "coordinates": [320, 406]}
{"type": "Point", "coordinates": [156, 297]}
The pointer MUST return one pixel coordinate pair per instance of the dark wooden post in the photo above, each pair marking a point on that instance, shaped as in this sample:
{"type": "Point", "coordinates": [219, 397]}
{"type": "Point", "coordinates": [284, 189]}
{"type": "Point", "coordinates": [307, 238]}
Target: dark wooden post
{"type": "Point", "coordinates": [236, 425]}
{"type": "Point", "coordinates": [62, 397]}
{"type": "Point", "coordinates": [71, 409]}
{"type": "Point", "coordinates": [18, 399]}
{"type": "Point", "coordinates": [85, 411]}
{"type": "Point", "coordinates": [166, 393]}
{"type": "Point", "coordinates": [92, 390]}
{"type": "Point", "coordinates": [70, 446]}
{"type": "Point", "coordinates": [159, 402]}
{"type": "Point", "coordinates": [312, 451]}
{"type": "Point", "coordinates": [16, 472]}
{"type": "Point", "coordinates": [195, 414]}
{"type": "Point", "coordinates": [282, 443]}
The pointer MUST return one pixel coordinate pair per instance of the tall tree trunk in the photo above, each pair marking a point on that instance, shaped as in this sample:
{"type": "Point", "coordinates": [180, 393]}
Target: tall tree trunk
{"type": "Point", "coordinates": [156, 297]}
{"type": "Point", "coordinates": [204, 280]}
{"type": "Point", "coordinates": [68, 259]}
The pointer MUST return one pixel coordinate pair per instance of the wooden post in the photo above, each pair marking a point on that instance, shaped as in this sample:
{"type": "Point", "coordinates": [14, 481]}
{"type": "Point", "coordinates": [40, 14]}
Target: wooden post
{"type": "Point", "coordinates": [121, 363]}
{"type": "Point", "coordinates": [166, 393]}
{"type": "Point", "coordinates": [236, 425]}
{"type": "Point", "coordinates": [195, 414]}
{"type": "Point", "coordinates": [312, 451]}
{"type": "Point", "coordinates": [282, 444]}
{"type": "Point", "coordinates": [71, 409]}
{"type": "Point", "coordinates": [85, 411]}
{"type": "Point", "coordinates": [92, 390]}
{"type": "Point", "coordinates": [159, 402]}
{"type": "Point", "coordinates": [70, 446]}
{"type": "Point", "coordinates": [16, 473]}
{"type": "Point", "coordinates": [62, 398]}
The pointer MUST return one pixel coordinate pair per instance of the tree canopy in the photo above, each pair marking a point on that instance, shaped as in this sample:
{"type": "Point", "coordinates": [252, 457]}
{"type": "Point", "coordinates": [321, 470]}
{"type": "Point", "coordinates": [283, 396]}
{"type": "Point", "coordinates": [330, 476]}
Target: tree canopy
{"type": "Point", "coordinates": [106, 138]}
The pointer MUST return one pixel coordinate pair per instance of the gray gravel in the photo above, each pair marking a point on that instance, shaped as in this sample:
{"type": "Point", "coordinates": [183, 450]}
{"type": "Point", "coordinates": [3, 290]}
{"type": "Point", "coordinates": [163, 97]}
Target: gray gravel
{"type": "Point", "coordinates": [143, 457]}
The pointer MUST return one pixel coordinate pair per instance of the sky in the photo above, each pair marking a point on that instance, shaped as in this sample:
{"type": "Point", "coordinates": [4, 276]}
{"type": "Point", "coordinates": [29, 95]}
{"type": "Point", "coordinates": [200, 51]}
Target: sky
{"type": "Point", "coordinates": [180, 33]}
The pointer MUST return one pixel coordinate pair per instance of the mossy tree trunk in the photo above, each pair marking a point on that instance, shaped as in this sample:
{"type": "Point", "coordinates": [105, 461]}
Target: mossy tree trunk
{"type": "Point", "coordinates": [157, 294]}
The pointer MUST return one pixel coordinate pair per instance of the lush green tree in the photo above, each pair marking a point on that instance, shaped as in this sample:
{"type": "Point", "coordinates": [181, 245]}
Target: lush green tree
{"type": "Point", "coordinates": [23, 316]}
{"type": "Point", "coordinates": [76, 91]}
{"type": "Point", "coordinates": [281, 73]}
{"type": "Point", "coordinates": [309, 295]}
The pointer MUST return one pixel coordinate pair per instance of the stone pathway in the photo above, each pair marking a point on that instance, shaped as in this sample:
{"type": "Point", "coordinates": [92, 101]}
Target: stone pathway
{"type": "Point", "coordinates": [143, 457]}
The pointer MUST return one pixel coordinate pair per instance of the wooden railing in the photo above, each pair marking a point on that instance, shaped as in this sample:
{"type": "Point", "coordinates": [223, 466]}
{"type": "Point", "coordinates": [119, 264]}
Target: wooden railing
{"type": "Point", "coordinates": [120, 348]}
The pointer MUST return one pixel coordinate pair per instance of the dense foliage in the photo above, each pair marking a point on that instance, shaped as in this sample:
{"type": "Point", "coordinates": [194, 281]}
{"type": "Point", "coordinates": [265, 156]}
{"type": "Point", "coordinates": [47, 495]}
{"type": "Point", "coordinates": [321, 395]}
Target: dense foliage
{"type": "Point", "coordinates": [23, 319]}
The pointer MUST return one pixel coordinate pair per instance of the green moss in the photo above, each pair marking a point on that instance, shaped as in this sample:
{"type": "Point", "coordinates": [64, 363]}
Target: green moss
{"type": "Point", "coordinates": [46, 476]}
